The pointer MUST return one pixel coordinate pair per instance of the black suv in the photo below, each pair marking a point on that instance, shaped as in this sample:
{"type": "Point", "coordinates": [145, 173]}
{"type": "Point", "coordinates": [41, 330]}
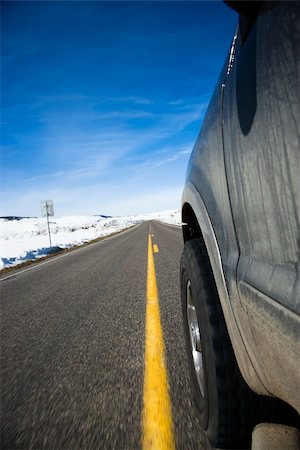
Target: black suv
{"type": "Point", "coordinates": [240, 269]}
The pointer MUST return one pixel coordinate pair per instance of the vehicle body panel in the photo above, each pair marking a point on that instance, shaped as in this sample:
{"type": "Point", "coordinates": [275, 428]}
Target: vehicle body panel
{"type": "Point", "coordinates": [261, 142]}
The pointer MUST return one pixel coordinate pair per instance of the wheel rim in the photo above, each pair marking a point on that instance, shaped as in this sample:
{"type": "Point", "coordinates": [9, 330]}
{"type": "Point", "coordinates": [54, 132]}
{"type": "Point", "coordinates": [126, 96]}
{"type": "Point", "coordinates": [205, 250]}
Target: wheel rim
{"type": "Point", "coordinates": [195, 338]}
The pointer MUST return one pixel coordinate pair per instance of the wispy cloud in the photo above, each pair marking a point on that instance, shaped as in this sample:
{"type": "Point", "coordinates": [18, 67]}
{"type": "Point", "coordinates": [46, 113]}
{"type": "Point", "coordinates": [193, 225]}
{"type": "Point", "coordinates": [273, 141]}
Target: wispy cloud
{"type": "Point", "coordinates": [44, 177]}
{"type": "Point", "coordinates": [134, 100]}
{"type": "Point", "coordinates": [172, 158]}
{"type": "Point", "coordinates": [157, 161]}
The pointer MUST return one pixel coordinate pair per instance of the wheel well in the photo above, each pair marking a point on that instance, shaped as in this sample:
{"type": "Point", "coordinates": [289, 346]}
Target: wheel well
{"type": "Point", "coordinates": [190, 227]}
{"type": "Point", "coordinates": [192, 230]}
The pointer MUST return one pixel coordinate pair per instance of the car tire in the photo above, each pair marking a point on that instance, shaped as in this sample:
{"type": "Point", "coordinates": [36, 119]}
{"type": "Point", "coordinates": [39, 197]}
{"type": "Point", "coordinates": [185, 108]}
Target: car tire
{"type": "Point", "coordinates": [219, 391]}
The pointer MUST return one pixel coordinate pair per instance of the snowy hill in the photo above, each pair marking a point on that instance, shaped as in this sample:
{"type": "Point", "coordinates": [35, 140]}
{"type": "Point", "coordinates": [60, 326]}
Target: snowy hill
{"type": "Point", "coordinates": [27, 239]}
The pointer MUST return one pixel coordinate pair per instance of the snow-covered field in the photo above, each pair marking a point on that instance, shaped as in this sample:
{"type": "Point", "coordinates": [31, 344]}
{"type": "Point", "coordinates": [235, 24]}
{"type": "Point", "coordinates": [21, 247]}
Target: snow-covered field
{"type": "Point", "coordinates": [27, 239]}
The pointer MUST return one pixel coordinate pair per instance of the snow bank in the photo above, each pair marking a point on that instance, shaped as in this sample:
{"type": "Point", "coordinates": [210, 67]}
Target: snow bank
{"type": "Point", "coordinates": [27, 239]}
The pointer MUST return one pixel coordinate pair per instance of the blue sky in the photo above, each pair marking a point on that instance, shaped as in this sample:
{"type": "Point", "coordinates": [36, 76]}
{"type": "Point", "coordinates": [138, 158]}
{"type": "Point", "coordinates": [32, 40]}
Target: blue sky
{"type": "Point", "coordinates": [102, 101]}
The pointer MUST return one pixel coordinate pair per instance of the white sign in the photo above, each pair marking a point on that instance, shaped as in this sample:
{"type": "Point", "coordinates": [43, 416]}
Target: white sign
{"type": "Point", "coordinates": [47, 208]}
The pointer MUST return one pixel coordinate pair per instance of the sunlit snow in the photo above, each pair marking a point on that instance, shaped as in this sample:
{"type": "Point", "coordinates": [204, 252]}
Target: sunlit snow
{"type": "Point", "coordinates": [27, 239]}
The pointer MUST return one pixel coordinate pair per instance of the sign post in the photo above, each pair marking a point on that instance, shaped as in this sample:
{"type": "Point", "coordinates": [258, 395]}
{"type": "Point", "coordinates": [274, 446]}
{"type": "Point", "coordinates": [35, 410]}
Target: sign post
{"type": "Point", "coordinates": [47, 210]}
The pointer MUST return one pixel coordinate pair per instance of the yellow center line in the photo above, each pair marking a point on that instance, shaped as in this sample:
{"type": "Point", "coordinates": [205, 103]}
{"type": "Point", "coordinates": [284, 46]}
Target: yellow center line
{"type": "Point", "coordinates": [155, 248]}
{"type": "Point", "coordinates": [157, 414]}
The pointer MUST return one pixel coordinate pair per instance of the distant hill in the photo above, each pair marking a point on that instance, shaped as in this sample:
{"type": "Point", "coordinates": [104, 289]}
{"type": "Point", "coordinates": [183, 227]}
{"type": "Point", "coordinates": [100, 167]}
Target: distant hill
{"type": "Point", "coordinates": [101, 215]}
{"type": "Point", "coordinates": [34, 217]}
{"type": "Point", "coordinates": [16, 217]}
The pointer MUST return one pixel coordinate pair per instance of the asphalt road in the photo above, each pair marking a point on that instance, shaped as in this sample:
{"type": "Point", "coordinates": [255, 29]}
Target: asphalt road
{"type": "Point", "coordinates": [72, 346]}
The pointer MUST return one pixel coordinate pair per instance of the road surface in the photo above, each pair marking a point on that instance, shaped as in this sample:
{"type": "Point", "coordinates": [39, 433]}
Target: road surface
{"type": "Point", "coordinates": [73, 345]}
